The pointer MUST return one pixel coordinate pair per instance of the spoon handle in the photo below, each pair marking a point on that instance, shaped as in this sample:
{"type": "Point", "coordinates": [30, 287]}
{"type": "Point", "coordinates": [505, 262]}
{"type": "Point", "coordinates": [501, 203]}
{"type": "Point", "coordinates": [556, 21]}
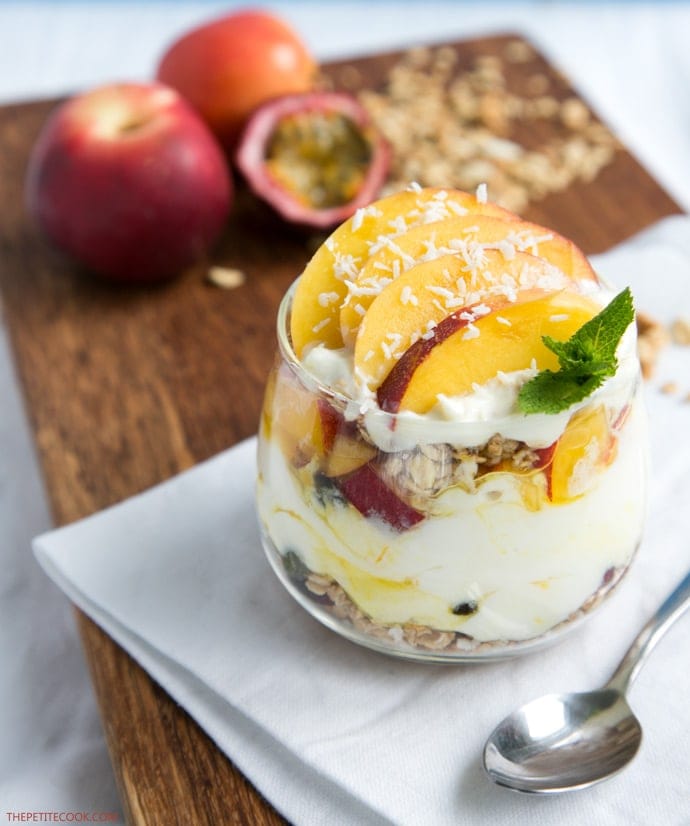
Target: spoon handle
{"type": "Point", "coordinates": [669, 611]}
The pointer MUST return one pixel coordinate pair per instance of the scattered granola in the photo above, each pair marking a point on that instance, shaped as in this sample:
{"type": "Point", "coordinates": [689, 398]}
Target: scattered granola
{"type": "Point", "coordinates": [680, 332]}
{"type": "Point", "coordinates": [227, 278]}
{"type": "Point", "coordinates": [574, 114]}
{"type": "Point", "coordinates": [517, 51]}
{"type": "Point", "coordinates": [652, 337]}
{"type": "Point", "coordinates": [538, 84]}
{"type": "Point", "coordinates": [458, 129]}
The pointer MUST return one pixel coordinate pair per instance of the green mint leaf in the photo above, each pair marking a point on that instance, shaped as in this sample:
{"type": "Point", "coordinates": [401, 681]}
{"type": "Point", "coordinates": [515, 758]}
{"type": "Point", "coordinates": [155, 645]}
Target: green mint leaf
{"type": "Point", "coordinates": [586, 359]}
{"type": "Point", "coordinates": [550, 392]}
{"type": "Point", "coordinates": [568, 356]}
{"type": "Point", "coordinates": [560, 348]}
{"type": "Point", "coordinates": [599, 337]}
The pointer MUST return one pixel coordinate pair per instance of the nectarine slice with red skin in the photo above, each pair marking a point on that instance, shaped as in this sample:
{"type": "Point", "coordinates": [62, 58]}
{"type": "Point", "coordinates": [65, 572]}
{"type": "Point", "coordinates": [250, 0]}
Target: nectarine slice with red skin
{"type": "Point", "coordinates": [343, 449]}
{"type": "Point", "coordinates": [305, 425]}
{"type": "Point", "coordinates": [428, 292]}
{"type": "Point", "coordinates": [545, 456]}
{"type": "Point", "coordinates": [308, 427]}
{"type": "Point", "coordinates": [544, 463]}
{"type": "Point", "coordinates": [464, 236]}
{"type": "Point", "coordinates": [394, 388]}
{"type": "Point", "coordinates": [330, 421]}
{"type": "Point", "coordinates": [508, 338]}
{"type": "Point", "coordinates": [322, 289]}
{"type": "Point", "coordinates": [372, 497]}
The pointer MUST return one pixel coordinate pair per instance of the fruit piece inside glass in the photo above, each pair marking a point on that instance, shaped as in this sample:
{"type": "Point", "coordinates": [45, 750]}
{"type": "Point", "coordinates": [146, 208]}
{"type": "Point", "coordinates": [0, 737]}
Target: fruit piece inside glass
{"type": "Point", "coordinates": [402, 499]}
{"type": "Point", "coordinates": [451, 541]}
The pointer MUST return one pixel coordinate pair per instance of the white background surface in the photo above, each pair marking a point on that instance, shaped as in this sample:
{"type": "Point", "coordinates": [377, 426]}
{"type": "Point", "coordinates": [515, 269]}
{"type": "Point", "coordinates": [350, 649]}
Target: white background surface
{"type": "Point", "coordinates": [631, 61]}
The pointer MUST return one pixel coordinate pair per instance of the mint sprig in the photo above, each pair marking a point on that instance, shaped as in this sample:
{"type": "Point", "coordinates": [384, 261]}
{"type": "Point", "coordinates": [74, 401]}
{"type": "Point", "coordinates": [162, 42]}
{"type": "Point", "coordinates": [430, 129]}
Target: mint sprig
{"type": "Point", "coordinates": [586, 360]}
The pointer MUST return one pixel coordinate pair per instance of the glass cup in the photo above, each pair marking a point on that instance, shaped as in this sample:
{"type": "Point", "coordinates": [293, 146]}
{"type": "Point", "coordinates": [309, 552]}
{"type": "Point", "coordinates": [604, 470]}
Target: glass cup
{"type": "Point", "coordinates": [447, 540]}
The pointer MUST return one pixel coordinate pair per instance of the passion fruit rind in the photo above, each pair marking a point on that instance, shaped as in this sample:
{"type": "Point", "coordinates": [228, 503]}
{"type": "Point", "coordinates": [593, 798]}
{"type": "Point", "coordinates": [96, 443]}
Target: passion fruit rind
{"type": "Point", "coordinates": [314, 157]}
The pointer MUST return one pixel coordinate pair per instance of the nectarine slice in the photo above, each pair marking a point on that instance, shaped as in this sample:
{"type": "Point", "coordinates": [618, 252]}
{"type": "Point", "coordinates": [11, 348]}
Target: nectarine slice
{"type": "Point", "coordinates": [465, 236]}
{"type": "Point", "coordinates": [322, 286]}
{"type": "Point", "coordinates": [348, 453]}
{"type": "Point", "coordinates": [585, 445]}
{"type": "Point", "coordinates": [462, 352]}
{"type": "Point", "coordinates": [302, 423]}
{"type": "Point", "coordinates": [412, 305]}
{"type": "Point", "coordinates": [375, 500]}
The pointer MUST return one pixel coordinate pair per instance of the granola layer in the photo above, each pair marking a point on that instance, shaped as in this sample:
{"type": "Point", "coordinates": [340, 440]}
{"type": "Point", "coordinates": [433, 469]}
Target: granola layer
{"type": "Point", "coordinates": [333, 598]}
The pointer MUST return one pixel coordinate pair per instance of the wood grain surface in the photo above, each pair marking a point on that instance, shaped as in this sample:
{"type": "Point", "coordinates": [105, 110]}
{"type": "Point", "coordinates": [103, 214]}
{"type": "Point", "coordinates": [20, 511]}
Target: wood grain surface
{"type": "Point", "coordinates": [125, 387]}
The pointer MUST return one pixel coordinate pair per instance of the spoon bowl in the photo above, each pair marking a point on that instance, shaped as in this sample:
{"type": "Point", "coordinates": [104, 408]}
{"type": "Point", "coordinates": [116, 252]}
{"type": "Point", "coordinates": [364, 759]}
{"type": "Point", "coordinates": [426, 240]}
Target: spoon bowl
{"type": "Point", "coordinates": [562, 742]}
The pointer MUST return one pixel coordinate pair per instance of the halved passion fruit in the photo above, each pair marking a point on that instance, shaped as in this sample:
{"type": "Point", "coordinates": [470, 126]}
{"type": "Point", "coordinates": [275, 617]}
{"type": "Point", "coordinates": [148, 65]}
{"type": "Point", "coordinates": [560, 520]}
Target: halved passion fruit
{"type": "Point", "coordinates": [315, 157]}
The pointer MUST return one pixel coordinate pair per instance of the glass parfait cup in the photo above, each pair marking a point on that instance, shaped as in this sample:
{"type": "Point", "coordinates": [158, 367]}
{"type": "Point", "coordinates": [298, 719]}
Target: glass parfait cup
{"type": "Point", "coordinates": [448, 540]}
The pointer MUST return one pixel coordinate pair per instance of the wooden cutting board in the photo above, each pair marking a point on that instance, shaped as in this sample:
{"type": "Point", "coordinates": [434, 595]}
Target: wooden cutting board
{"type": "Point", "coordinates": [126, 387]}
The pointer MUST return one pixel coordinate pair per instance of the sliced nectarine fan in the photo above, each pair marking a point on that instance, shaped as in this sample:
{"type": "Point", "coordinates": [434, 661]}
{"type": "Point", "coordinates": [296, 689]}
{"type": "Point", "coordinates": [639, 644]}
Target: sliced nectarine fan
{"type": "Point", "coordinates": [467, 237]}
{"type": "Point", "coordinates": [472, 345]}
{"type": "Point", "coordinates": [409, 308]}
{"type": "Point", "coordinates": [322, 287]}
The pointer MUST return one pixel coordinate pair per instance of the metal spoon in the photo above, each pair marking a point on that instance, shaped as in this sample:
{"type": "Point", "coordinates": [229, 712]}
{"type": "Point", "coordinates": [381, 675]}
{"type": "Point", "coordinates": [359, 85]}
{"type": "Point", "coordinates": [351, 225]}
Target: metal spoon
{"type": "Point", "coordinates": [571, 741]}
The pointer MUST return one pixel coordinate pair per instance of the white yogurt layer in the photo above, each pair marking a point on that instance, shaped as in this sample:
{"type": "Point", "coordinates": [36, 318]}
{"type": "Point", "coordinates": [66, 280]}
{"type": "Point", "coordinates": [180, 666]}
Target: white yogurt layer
{"type": "Point", "coordinates": [472, 418]}
{"type": "Point", "coordinates": [527, 569]}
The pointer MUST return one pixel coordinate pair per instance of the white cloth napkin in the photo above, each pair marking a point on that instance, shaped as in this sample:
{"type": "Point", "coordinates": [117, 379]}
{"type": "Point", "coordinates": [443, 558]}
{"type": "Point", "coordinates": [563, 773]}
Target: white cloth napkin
{"type": "Point", "coordinates": [331, 733]}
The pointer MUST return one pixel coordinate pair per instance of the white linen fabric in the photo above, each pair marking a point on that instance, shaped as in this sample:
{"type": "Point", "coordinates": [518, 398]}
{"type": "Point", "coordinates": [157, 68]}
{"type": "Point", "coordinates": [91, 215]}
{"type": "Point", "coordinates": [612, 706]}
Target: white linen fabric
{"type": "Point", "coordinates": [177, 576]}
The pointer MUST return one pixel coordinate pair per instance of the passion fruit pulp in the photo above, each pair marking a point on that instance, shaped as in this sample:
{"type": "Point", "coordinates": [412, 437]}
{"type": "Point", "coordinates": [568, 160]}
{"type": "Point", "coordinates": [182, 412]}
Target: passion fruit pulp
{"type": "Point", "coordinates": [315, 157]}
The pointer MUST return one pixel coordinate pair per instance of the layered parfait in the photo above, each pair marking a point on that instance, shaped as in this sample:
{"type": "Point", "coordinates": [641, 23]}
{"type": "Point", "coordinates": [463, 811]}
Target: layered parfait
{"type": "Point", "coordinates": [452, 446]}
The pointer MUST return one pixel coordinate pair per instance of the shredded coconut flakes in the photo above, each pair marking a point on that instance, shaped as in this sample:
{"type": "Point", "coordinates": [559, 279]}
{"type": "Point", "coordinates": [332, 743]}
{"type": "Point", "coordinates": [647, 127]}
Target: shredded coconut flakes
{"type": "Point", "coordinates": [325, 299]}
{"type": "Point", "coordinates": [408, 297]}
{"type": "Point", "coordinates": [318, 327]}
{"type": "Point", "coordinates": [481, 309]}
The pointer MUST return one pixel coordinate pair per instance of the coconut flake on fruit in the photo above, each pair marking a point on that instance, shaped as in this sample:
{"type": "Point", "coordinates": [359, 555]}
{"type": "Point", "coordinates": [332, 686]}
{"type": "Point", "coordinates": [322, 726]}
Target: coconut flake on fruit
{"type": "Point", "coordinates": [468, 238]}
{"type": "Point", "coordinates": [337, 263]}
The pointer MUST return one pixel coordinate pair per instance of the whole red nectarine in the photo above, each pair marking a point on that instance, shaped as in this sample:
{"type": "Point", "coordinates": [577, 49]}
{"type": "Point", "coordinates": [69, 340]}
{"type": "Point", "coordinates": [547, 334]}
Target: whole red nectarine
{"type": "Point", "coordinates": [129, 180]}
{"type": "Point", "coordinates": [227, 67]}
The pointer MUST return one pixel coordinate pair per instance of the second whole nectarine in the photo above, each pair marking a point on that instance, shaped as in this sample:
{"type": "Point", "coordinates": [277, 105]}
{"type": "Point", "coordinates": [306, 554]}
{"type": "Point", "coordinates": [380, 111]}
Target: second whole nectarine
{"type": "Point", "coordinates": [229, 66]}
